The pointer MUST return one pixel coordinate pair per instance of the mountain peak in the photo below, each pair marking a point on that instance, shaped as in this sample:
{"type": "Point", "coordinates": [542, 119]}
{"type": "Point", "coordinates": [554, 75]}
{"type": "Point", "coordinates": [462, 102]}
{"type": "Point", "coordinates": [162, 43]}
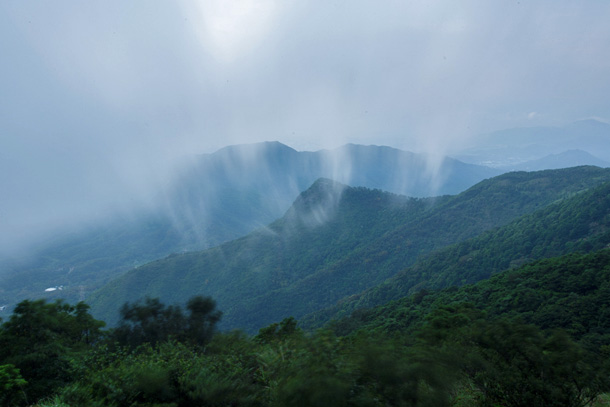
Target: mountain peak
{"type": "Point", "coordinates": [317, 204]}
{"type": "Point", "coordinates": [263, 146]}
{"type": "Point", "coordinates": [321, 186]}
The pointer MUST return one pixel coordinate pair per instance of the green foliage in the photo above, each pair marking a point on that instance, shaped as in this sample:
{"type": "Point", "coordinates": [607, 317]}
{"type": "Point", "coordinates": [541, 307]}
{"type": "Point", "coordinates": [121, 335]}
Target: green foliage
{"type": "Point", "coordinates": [577, 224]}
{"type": "Point", "coordinates": [41, 339]}
{"type": "Point", "coordinates": [325, 370]}
{"type": "Point", "coordinates": [317, 370]}
{"type": "Point", "coordinates": [571, 292]}
{"type": "Point", "coordinates": [222, 382]}
{"type": "Point", "coordinates": [278, 332]}
{"type": "Point", "coordinates": [202, 320]}
{"type": "Point", "coordinates": [127, 379]}
{"type": "Point", "coordinates": [152, 322]}
{"type": "Point", "coordinates": [54, 401]}
{"type": "Point", "coordinates": [171, 374]}
{"type": "Point", "coordinates": [530, 336]}
{"type": "Point", "coordinates": [458, 353]}
{"type": "Point", "coordinates": [514, 364]}
{"type": "Point", "coordinates": [11, 385]}
{"type": "Point", "coordinates": [315, 374]}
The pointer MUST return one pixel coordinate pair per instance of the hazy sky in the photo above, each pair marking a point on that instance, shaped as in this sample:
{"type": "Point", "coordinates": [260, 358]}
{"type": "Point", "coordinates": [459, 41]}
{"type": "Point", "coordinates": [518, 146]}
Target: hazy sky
{"type": "Point", "coordinates": [97, 96]}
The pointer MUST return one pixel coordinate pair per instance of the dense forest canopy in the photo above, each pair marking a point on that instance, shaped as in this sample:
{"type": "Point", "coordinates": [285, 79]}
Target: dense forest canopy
{"type": "Point", "coordinates": [518, 339]}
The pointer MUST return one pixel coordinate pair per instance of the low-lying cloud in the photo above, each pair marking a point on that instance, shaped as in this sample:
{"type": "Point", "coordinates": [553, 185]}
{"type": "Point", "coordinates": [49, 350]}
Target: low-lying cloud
{"type": "Point", "coordinates": [99, 100]}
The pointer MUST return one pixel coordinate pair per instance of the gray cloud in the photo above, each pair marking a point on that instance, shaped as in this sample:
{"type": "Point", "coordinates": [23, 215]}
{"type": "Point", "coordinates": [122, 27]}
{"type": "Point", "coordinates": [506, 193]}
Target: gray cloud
{"type": "Point", "coordinates": [97, 99]}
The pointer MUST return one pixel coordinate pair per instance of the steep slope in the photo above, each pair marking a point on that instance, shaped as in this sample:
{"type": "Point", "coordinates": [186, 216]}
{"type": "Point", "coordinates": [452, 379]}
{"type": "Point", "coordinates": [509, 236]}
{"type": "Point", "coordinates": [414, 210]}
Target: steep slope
{"type": "Point", "coordinates": [571, 292]}
{"type": "Point", "coordinates": [489, 204]}
{"type": "Point", "coordinates": [325, 222]}
{"type": "Point", "coordinates": [212, 199]}
{"type": "Point", "coordinates": [336, 241]}
{"type": "Point", "coordinates": [580, 223]}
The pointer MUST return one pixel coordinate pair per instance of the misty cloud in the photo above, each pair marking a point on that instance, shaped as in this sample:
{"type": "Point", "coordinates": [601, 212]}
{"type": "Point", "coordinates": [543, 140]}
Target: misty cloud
{"type": "Point", "coordinates": [99, 100]}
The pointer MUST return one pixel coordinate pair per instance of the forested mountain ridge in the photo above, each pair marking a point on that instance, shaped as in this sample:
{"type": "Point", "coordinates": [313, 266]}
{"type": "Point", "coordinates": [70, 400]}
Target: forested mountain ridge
{"type": "Point", "coordinates": [570, 292]}
{"type": "Point", "coordinates": [215, 198]}
{"type": "Point", "coordinates": [295, 268]}
{"type": "Point", "coordinates": [312, 233]}
{"type": "Point", "coordinates": [578, 223]}
{"type": "Point", "coordinates": [490, 204]}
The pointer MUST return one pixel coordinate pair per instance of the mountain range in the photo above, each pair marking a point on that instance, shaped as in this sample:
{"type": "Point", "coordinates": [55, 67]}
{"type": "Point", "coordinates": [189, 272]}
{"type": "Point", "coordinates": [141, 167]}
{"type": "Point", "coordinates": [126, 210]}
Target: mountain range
{"type": "Point", "coordinates": [214, 198]}
{"type": "Point", "coordinates": [338, 241]}
{"type": "Point", "coordinates": [536, 148]}
{"type": "Point", "coordinates": [580, 223]}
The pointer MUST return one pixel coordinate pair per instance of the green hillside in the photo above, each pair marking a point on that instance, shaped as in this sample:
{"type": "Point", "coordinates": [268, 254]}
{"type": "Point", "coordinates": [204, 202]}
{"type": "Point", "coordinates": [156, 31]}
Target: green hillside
{"type": "Point", "coordinates": [542, 324]}
{"type": "Point", "coordinates": [571, 292]}
{"type": "Point", "coordinates": [579, 223]}
{"type": "Point", "coordinates": [533, 336]}
{"type": "Point", "coordinates": [316, 231]}
{"type": "Point", "coordinates": [336, 241]}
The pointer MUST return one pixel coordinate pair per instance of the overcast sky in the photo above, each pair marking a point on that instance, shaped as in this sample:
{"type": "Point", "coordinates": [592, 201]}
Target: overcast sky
{"type": "Point", "coordinates": [96, 97]}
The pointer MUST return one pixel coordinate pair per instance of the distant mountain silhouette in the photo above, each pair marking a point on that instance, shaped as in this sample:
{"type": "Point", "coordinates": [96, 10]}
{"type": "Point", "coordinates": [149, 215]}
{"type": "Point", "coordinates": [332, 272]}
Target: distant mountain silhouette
{"type": "Point", "coordinates": [508, 149]}
{"type": "Point", "coordinates": [570, 158]}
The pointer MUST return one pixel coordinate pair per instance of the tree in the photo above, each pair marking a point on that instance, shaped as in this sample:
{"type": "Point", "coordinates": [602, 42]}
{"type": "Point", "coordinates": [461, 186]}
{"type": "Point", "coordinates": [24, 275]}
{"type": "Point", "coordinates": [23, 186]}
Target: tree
{"type": "Point", "coordinates": [202, 320]}
{"type": "Point", "coordinates": [40, 340]}
{"type": "Point", "coordinates": [515, 364]}
{"type": "Point", "coordinates": [152, 322]}
{"type": "Point", "coordinates": [523, 366]}
{"type": "Point", "coordinates": [11, 385]}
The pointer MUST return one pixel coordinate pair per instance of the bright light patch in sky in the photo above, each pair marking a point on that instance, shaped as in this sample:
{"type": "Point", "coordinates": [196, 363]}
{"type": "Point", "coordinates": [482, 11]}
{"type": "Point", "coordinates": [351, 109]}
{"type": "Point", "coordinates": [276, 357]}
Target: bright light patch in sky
{"type": "Point", "coordinates": [228, 29]}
